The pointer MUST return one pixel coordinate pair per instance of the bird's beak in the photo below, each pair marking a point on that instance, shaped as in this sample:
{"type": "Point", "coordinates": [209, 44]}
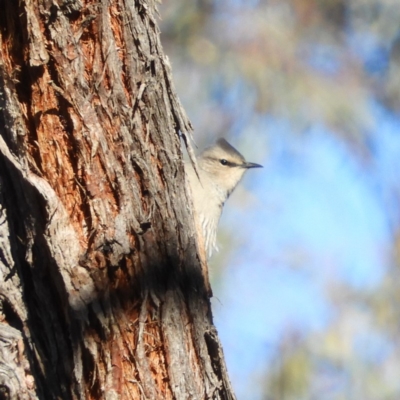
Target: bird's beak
{"type": "Point", "coordinates": [248, 165]}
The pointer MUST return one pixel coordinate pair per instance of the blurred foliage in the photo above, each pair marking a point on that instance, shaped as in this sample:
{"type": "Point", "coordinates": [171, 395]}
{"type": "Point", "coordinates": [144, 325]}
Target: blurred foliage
{"type": "Point", "coordinates": [290, 376]}
{"type": "Point", "coordinates": [294, 58]}
{"type": "Point", "coordinates": [309, 62]}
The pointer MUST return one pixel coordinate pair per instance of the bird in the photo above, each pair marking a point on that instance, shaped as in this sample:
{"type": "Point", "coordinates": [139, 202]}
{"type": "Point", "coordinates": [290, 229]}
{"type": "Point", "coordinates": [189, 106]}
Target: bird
{"type": "Point", "coordinates": [220, 168]}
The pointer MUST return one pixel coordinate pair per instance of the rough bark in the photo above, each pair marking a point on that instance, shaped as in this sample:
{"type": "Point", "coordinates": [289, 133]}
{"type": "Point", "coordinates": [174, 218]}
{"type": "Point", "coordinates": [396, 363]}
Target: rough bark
{"type": "Point", "coordinates": [102, 289]}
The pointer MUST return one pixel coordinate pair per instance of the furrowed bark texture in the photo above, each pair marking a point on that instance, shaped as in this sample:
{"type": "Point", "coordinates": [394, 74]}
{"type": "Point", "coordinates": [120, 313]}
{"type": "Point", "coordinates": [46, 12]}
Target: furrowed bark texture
{"type": "Point", "coordinates": [102, 293]}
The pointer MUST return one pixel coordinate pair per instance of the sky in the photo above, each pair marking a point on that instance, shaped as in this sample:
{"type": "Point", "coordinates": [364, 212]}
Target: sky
{"type": "Point", "coordinates": [317, 215]}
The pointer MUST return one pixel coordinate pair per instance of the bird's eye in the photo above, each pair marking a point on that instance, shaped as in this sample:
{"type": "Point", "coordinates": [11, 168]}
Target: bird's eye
{"type": "Point", "coordinates": [223, 162]}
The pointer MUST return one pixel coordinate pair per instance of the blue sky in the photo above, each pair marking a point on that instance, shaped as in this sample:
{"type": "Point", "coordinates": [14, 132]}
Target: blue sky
{"type": "Point", "coordinates": [317, 215]}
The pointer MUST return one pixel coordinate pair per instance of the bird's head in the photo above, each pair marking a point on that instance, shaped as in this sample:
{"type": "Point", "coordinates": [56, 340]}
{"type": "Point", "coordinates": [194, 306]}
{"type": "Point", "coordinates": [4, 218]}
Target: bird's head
{"type": "Point", "coordinates": [225, 164]}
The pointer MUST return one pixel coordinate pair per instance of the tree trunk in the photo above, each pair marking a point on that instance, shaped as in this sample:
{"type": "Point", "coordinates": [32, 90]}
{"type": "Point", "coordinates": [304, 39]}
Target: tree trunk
{"type": "Point", "coordinates": [103, 290]}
